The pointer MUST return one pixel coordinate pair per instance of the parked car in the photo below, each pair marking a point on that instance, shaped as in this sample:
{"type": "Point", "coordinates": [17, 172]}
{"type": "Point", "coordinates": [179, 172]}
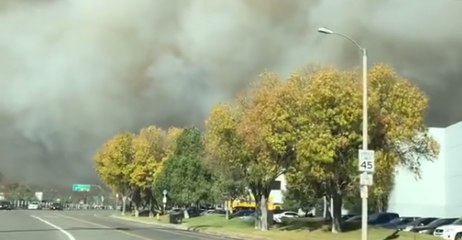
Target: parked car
{"type": "Point", "coordinates": [5, 205]}
{"type": "Point", "coordinates": [286, 214]}
{"type": "Point", "coordinates": [348, 216]}
{"type": "Point", "coordinates": [451, 231]}
{"type": "Point", "coordinates": [35, 205]}
{"type": "Point", "coordinates": [243, 213]}
{"type": "Point", "coordinates": [398, 223]}
{"type": "Point", "coordinates": [419, 223]}
{"type": "Point", "coordinates": [381, 218]}
{"type": "Point", "coordinates": [430, 228]}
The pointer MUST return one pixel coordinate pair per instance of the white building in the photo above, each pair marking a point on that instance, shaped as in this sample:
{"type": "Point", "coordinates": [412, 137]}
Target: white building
{"type": "Point", "coordinates": [437, 193]}
{"type": "Point", "coordinates": [278, 189]}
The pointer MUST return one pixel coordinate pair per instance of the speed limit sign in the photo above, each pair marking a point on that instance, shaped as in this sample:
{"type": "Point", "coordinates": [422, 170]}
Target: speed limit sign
{"type": "Point", "coordinates": [366, 161]}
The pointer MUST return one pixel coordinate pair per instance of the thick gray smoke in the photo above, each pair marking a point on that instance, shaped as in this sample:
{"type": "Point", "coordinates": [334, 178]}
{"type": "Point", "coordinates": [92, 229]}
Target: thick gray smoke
{"type": "Point", "coordinates": [75, 72]}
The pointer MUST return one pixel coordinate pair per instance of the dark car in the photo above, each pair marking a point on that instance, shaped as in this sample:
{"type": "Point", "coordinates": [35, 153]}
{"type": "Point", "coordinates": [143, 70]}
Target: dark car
{"type": "Point", "coordinates": [381, 218]}
{"type": "Point", "coordinates": [5, 205]}
{"type": "Point", "coordinates": [430, 228]}
{"type": "Point", "coordinates": [419, 223]}
{"type": "Point", "coordinates": [399, 223]}
{"type": "Point", "coordinates": [243, 213]}
{"type": "Point", "coordinates": [56, 206]}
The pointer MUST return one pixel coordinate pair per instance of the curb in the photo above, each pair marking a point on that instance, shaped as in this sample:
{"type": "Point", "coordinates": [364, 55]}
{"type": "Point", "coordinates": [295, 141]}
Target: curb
{"type": "Point", "coordinates": [172, 226]}
{"type": "Point", "coordinates": [216, 233]}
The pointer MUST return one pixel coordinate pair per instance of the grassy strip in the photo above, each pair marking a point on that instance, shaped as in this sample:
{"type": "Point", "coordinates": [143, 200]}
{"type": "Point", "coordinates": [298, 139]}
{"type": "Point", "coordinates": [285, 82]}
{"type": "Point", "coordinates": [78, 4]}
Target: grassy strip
{"type": "Point", "coordinates": [299, 229]}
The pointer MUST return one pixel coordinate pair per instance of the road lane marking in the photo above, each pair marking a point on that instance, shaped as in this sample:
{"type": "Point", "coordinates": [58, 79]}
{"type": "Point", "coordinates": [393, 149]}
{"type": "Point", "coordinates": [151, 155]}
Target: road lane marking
{"type": "Point", "coordinates": [104, 226]}
{"type": "Point", "coordinates": [189, 234]}
{"type": "Point", "coordinates": [56, 227]}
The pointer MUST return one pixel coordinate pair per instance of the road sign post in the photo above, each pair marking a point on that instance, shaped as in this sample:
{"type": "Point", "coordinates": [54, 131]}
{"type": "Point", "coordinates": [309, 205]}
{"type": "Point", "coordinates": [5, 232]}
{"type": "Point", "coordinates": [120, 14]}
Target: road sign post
{"type": "Point", "coordinates": [366, 167]}
{"type": "Point", "coordinates": [164, 199]}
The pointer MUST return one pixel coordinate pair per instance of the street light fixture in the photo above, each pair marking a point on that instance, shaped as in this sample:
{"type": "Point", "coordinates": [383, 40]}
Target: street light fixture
{"type": "Point", "coordinates": [368, 162]}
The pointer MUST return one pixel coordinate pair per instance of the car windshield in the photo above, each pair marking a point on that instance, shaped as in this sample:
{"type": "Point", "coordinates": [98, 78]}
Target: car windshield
{"type": "Point", "coordinates": [442, 221]}
{"type": "Point", "coordinates": [457, 222]}
{"type": "Point", "coordinates": [424, 221]}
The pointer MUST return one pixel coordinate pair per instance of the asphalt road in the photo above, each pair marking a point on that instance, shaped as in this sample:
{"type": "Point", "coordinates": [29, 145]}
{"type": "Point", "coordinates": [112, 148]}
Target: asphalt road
{"type": "Point", "coordinates": [84, 225]}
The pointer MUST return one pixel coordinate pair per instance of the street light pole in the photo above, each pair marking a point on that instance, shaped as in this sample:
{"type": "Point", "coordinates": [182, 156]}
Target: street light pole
{"type": "Point", "coordinates": [365, 190]}
{"type": "Point", "coordinates": [363, 187]}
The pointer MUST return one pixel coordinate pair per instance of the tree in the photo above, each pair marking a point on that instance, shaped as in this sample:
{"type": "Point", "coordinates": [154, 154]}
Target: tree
{"type": "Point", "coordinates": [269, 129]}
{"type": "Point", "coordinates": [257, 125]}
{"type": "Point", "coordinates": [113, 163]}
{"type": "Point", "coordinates": [148, 153]}
{"type": "Point", "coordinates": [183, 174]}
{"type": "Point", "coordinates": [225, 154]}
{"type": "Point", "coordinates": [328, 148]}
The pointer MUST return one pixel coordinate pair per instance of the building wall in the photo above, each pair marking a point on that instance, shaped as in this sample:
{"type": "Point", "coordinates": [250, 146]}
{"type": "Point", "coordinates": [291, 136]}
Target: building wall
{"type": "Point", "coordinates": [453, 176]}
{"type": "Point", "coordinates": [278, 194]}
{"type": "Point", "coordinates": [425, 196]}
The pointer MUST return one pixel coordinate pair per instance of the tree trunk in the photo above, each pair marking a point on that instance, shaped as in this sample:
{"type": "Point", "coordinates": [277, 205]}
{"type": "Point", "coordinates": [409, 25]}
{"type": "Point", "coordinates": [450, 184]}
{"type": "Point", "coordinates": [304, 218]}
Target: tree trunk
{"type": "Point", "coordinates": [258, 213]}
{"type": "Point", "coordinates": [264, 213]}
{"type": "Point", "coordinates": [228, 209]}
{"type": "Point", "coordinates": [124, 204]}
{"type": "Point", "coordinates": [336, 212]}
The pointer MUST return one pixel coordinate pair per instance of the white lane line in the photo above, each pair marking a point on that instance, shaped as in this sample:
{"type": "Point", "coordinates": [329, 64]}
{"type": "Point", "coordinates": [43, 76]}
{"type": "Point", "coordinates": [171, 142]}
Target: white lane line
{"type": "Point", "coordinates": [56, 227]}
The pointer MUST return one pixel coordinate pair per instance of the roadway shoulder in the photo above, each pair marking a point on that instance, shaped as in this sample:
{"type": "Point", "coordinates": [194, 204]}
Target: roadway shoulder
{"type": "Point", "coordinates": [216, 233]}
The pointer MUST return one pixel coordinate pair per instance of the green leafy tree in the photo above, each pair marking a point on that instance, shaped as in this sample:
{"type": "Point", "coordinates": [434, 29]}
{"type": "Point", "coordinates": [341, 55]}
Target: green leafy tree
{"type": "Point", "coordinates": [183, 174]}
{"type": "Point", "coordinates": [113, 164]}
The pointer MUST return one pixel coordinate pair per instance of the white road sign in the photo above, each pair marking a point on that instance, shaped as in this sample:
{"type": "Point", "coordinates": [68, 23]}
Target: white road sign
{"type": "Point", "coordinates": [366, 161]}
{"type": "Point", "coordinates": [366, 179]}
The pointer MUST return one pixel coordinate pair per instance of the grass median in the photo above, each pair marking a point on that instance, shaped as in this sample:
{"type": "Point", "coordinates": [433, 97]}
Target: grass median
{"type": "Point", "coordinates": [297, 229]}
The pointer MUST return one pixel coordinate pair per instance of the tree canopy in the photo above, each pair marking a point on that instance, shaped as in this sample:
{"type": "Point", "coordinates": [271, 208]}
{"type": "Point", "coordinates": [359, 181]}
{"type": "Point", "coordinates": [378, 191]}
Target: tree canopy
{"type": "Point", "coordinates": [308, 127]}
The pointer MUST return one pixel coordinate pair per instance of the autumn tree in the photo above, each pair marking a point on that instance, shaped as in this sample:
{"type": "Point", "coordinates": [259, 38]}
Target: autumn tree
{"type": "Point", "coordinates": [329, 143]}
{"type": "Point", "coordinates": [225, 154]}
{"type": "Point", "coordinates": [268, 128]}
{"type": "Point", "coordinates": [148, 153]}
{"type": "Point", "coordinates": [113, 164]}
{"type": "Point", "coordinates": [256, 136]}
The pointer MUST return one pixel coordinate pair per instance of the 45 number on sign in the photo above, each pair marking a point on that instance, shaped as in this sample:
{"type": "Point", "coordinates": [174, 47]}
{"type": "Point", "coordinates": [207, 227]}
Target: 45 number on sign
{"type": "Point", "coordinates": [366, 161]}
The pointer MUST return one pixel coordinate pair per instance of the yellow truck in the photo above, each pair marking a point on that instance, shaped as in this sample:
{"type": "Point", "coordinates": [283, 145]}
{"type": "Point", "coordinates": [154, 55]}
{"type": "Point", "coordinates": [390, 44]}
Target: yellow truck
{"type": "Point", "coordinates": [249, 202]}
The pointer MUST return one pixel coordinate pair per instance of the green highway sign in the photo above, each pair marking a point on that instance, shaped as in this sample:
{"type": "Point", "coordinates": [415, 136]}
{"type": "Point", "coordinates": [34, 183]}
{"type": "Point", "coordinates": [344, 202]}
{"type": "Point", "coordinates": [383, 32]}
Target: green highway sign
{"type": "Point", "coordinates": [81, 187]}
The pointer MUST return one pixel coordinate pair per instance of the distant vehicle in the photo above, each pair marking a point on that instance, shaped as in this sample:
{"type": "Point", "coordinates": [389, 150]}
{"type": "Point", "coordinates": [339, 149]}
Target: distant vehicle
{"type": "Point", "coordinates": [243, 213]}
{"type": "Point", "coordinates": [452, 231]}
{"type": "Point", "coordinates": [399, 223]}
{"type": "Point", "coordinates": [35, 205]}
{"type": "Point", "coordinates": [430, 228]}
{"type": "Point", "coordinates": [56, 206]}
{"type": "Point", "coordinates": [373, 219]}
{"type": "Point", "coordinates": [421, 222]}
{"type": "Point", "coordinates": [381, 218]}
{"type": "Point", "coordinates": [287, 214]}
{"type": "Point", "coordinates": [5, 205]}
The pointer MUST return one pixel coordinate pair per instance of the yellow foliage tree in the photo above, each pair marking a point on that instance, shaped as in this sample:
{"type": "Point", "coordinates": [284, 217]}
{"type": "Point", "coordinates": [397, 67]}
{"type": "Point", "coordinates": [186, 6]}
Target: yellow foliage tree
{"type": "Point", "coordinates": [328, 148]}
{"type": "Point", "coordinates": [113, 164]}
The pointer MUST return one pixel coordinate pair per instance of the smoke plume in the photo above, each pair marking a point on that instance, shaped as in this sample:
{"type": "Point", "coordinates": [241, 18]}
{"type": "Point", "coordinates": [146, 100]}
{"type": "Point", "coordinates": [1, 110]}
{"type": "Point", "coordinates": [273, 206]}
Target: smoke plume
{"type": "Point", "coordinates": [75, 72]}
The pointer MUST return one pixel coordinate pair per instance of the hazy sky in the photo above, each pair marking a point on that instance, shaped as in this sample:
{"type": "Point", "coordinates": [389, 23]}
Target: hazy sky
{"type": "Point", "coordinates": [75, 72]}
